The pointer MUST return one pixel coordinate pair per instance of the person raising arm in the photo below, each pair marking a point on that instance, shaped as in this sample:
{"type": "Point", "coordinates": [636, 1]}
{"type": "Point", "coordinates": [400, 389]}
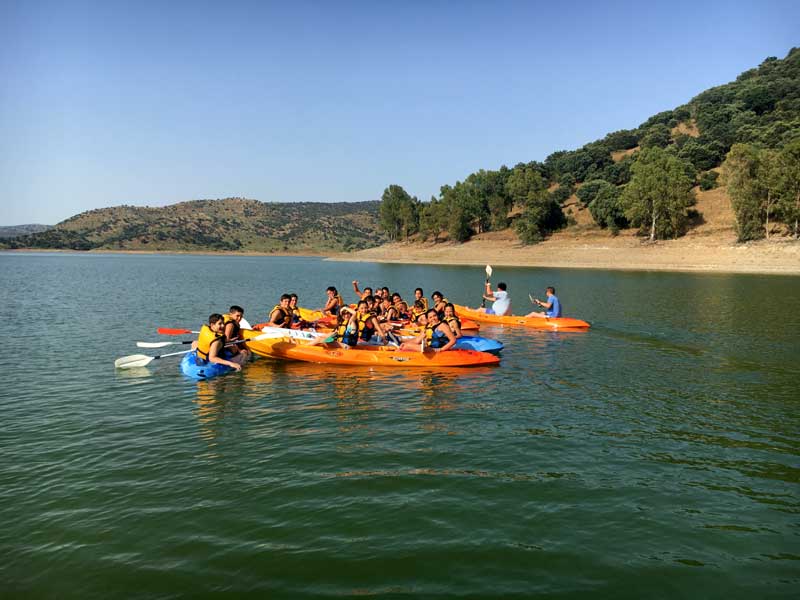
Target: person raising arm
{"type": "Point", "coordinates": [501, 302]}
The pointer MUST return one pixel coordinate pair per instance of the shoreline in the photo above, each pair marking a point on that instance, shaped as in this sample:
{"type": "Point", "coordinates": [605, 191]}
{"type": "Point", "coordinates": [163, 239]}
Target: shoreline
{"type": "Point", "coordinates": [615, 254]}
{"type": "Point", "coordinates": [624, 253]}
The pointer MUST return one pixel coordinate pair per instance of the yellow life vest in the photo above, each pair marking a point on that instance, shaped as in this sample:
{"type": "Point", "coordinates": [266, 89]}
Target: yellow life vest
{"type": "Point", "coordinates": [434, 341]}
{"type": "Point", "coordinates": [449, 320]}
{"type": "Point", "coordinates": [424, 301]}
{"type": "Point", "coordinates": [205, 340]}
{"type": "Point", "coordinates": [287, 316]}
{"type": "Point", "coordinates": [229, 319]}
{"type": "Point", "coordinates": [363, 320]}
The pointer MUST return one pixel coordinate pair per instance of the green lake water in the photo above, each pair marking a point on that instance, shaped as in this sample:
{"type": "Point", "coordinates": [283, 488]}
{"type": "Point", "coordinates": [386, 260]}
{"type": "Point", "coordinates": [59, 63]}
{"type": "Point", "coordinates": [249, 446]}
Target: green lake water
{"type": "Point", "coordinates": [656, 455]}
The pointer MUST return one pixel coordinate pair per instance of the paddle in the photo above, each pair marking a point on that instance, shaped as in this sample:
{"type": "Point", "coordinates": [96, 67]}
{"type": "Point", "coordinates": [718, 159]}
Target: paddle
{"type": "Point", "coordinates": [533, 301]}
{"type": "Point", "coordinates": [168, 331]}
{"type": "Point", "coordinates": [142, 360]}
{"type": "Point", "coordinates": [488, 275]}
{"type": "Point", "coordinates": [161, 344]}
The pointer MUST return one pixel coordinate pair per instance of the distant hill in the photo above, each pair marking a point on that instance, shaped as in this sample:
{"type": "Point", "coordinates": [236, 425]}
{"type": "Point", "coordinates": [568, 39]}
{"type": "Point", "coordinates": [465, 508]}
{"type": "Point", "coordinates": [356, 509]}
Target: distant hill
{"type": "Point", "coordinates": [10, 231]}
{"type": "Point", "coordinates": [230, 224]}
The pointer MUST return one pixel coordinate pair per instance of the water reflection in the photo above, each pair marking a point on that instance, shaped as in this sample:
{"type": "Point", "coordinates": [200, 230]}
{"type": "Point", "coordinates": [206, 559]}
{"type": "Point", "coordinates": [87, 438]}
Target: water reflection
{"type": "Point", "coordinates": [354, 394]}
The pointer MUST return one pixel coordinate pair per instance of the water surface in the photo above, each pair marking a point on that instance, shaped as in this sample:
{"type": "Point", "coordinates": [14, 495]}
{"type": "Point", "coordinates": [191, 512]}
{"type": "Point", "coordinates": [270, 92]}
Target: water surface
{"type": "Point", "coordinates": [656, 455]}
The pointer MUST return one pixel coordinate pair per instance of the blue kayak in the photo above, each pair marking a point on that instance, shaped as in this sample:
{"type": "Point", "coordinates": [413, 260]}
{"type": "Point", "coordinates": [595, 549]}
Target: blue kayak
{"type": "Point", "coordinates": [481, 344]}
{"type": "Point", "coordinates": [207, 370]}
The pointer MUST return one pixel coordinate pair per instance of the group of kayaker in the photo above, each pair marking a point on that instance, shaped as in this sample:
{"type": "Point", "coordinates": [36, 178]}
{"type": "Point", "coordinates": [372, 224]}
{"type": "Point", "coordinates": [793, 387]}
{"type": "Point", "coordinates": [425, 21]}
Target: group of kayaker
{"type": "Point", "coordinates": [375, 315]}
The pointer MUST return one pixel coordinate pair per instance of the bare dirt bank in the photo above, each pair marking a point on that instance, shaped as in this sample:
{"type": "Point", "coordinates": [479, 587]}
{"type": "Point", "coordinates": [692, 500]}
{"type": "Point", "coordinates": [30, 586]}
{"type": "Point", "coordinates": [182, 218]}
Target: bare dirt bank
{"type": "Point", "coordinates": [625, 252]}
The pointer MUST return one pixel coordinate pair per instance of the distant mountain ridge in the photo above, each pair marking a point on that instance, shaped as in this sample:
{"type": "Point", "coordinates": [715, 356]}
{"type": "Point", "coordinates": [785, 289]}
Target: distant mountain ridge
{"type": "Point", "coordinates": [229, 224]}
{"type": "Point", "coordinates": [9, 231]}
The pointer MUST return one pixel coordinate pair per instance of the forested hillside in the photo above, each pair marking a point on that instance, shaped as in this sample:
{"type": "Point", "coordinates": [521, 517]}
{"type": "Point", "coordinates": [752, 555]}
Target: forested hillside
{"type": "Point", "coordinates": [231, 224]}
{"type": "Point", "coordinates": [9, 231]}
{"type": "Point", "coordinates": [644, 177]}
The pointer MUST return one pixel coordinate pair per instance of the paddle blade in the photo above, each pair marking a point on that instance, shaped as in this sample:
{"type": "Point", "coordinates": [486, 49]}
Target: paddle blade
{"type": "Point", "coordinates": [155, 344]}
{"type": "Point", "coordinates": [488, 271]}
{"type": "Point", "coordinates": [245, 324]}
{"type": "Point", "coordinates": [168, 331]}
{"type": "Point", "coordinates": [133, 361]}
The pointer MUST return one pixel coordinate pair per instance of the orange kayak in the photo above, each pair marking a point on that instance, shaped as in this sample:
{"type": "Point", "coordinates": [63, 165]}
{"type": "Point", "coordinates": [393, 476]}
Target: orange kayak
{"type": "Point", "coordinates": [559, 324]}
{"type": "Point", "coordinates": [365, 355]}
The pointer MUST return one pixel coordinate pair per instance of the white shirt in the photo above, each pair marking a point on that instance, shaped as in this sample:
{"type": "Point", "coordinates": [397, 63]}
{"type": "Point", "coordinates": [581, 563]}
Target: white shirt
{"type": "Point", "coordinates": [502, 303]}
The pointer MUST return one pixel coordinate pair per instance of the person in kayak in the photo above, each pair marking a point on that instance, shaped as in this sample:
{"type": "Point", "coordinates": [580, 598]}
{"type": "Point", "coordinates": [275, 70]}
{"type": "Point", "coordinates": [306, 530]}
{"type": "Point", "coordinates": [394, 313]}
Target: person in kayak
{"type": "Point", "coordinates": [297, 320]}
{"type": "Point", "coordinates": [551, 306]}
{"type": "Point", "coordinates": [232, 329]}
{"type": "Point", "coordinates": [400, 306]}
{"type": "Point", "coordinates": [452, 319]}
{"type": "Point", "coordinates": [439, 302]}
{"type": "Point", "coordinates": [210, 345]}
{"type": "Point", "coordinates": [361, 295]}
{"type": "Point", "coordinates": [437, 335]}
{"type": "Point", "coordinates": [333, 304]}
{"type": "Point", "coordinates": [280, 315]}
{"type": "Point", "coordinates": [361, 325]}
{"type": "Point", "coordinates": [419, 296]}
{"type": "Point", "coordinates": [418, 309]}
{"type": "Point", "coordinates": [501, 303]}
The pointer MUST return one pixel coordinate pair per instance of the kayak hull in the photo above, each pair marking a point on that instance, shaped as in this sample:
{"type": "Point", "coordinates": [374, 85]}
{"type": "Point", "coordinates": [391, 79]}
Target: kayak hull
{"type": "Point", "coordinates": [209, 370]}
{"type": "Point", "coordinates": [479, 344]}
{"type": "Point", "coordinates": [560, 324]}
{"type": "Point", "coordinates": [366, 355]}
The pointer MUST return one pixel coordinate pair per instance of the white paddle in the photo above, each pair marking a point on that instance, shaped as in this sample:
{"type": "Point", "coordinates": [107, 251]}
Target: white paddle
{"type": "Point", "coordinates": [488, 276]}
{"type": "Point", "coordinates": [142, 360]}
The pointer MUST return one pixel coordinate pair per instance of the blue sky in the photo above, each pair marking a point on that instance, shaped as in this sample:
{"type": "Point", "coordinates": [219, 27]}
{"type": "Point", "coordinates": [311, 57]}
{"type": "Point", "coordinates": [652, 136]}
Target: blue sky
{"type": "Point", "coordinates": [151, 103]}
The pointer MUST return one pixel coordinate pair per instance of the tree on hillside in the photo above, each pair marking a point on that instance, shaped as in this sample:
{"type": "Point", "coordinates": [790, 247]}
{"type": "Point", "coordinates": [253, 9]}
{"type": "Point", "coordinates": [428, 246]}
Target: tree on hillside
{"type": "Point", "coordinates": [748, 178]}
{"type": "Point", "coordinates": [657, 135]}
{"type": "Point", "coordinates": [541, 213]}
{"type": "Point", "coordinates": [789, 184]}
{"type": "Point", "coordinates": [606, 209]}
{"type": "Point", "coordinates": [590, 189]}
{"type": "Point", "coordinates": [433, 219]}
{"type": "Point", "coordinates": [398, 213]}
{"type": "Point", "coordinates": [762, 182]}
{"type": "Point", "coordinates": [659, 194]}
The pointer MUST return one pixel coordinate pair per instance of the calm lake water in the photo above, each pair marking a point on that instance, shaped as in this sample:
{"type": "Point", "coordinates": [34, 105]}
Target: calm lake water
{"type": "Point", "coordinates": [657, 455]}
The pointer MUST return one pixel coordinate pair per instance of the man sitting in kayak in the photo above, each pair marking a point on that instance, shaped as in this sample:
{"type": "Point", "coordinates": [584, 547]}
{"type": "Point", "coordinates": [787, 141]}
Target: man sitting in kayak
{"type": "Point", "coordinates": [437, 335]}
{"type": "Point", "coordinates": [231, 329]}
{"type": "Point", "coordinates": [210, 345]}
{"type": "Point", "coordinates": [552, 307]}
{"type": "Point", "coordinates": [501, 302]}
{"type": "Point", "coordinates": [280, 315]}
